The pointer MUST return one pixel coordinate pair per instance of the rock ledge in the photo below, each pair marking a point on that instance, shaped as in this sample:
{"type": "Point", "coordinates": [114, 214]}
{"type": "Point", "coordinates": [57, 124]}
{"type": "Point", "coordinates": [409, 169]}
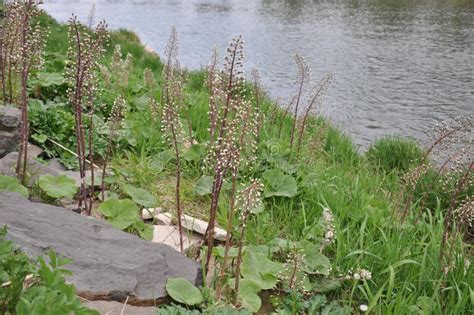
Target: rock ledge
{"type": "Point", "coordinates": [108, 264]}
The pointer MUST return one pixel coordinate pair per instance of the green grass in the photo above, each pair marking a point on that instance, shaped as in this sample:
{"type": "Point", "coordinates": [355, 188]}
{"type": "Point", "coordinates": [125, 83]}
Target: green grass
{"type": "Point", "coordinates": [361, 191]}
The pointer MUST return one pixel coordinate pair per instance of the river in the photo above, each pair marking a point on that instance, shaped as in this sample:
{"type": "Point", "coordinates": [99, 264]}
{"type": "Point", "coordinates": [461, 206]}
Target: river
{"type": "Point", "coordinates": [400, 66]}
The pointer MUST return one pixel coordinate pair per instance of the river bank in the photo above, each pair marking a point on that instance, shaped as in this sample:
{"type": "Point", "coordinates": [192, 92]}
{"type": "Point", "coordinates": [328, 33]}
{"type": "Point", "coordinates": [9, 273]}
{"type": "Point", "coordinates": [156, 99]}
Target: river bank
{"type": "Point", "coordinates": [331, 230]}
{"type": "Point", "coordinates": [399, 67]}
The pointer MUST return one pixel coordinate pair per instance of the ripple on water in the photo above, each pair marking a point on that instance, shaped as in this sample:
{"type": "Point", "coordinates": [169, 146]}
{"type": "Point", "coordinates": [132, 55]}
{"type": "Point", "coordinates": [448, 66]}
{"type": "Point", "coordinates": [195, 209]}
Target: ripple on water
{"type": "Point", "coordinates": [400, 66]}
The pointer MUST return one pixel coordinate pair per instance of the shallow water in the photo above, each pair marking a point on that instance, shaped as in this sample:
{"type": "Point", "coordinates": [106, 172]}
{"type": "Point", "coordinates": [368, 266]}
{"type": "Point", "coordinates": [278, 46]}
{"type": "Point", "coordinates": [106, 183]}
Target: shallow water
{"type": "Point", "coordinates": [400, 66]}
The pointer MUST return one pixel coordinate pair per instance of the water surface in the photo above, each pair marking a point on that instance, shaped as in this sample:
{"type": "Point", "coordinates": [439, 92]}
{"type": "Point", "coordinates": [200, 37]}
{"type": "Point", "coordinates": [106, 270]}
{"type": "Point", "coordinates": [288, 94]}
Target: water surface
{"type": "Point", "coordinates": [400, 66]}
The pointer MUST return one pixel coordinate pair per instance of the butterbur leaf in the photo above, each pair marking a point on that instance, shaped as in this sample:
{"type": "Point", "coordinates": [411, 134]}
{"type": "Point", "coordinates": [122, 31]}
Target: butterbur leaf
{"type": "Point", "coordinates": [39, 137]}
{"type": "Point", "coordinates": [47, 79]}
{"type": "Point", "coordinates": [140, 196]}
{"type": "Point", "coordinates": [120, 213]}
{"type": "Point", "coordinates": [314, 261]}
{"type": "Point", "coordinates": [248, 295]}
{"type": "Point", "coordinates": [195, 153]}
{"type": "Point", "coordinates": [144, 230]}
{"type": "Point", "coordinates": [12, 184]}
{"type": "Point", "coordinates": [204, 186]}
{"type": "Point", "coordinates": [279, 184]}
{"type": "Point", "coordinates": [183, 291]}
{"type": "Point", "coordinates": [262, 271]}
{"type": "Point", "coordinates": [162, 159]}
{"type": "Point", "coordinates": [141, 103]}
{"type": "Point", "coordinates": [58, 186]}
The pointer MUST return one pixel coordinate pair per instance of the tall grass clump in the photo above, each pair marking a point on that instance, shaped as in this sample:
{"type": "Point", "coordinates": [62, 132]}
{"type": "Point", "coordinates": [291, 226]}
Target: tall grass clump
{"type": "Point", "coordinates": [394, 154]}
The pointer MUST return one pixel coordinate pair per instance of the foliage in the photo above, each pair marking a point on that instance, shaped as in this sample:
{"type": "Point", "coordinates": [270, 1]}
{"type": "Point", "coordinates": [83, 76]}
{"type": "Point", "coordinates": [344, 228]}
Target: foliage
{"type": "Point", "coordinates": [13, 185]}
{"type": "Point", "coordinates": [140, 196]}
{"type": "Point", "coordinates": [123, 214]}
{"type": "Point", "coordinates": [57, 186]}
{"type": "Point", "coordinates": [279, 184]}
{"type": "Point", "coordinates": [394, 154]}
{"type": "Point", "coordinates": [183, 291]}
{"type": "Point", "coordinates": [363, 193]}
{"type": "Point", "coordinates": [46, 292]}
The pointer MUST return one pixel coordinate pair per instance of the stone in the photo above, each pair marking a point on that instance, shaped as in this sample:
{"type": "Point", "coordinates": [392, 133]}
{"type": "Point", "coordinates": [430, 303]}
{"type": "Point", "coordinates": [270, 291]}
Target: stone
{"type": "Point", "coordinates": [10, 118]}
{"type": "Point", "coordinates": [150, 213]}
{"type": "Point", "coordinates": [56, 165]}
{"type": "Point", "coordinates": [169, 235]}
{"type": "Point", "coordinates": [77, 177]}
{"type": "Point", "coordinates": [34, 151]}
{"type": "Point", "coordinates": [34, 168]}
{"type": "Point", "coordinates": [8, 142]}
{"type": "Point", "coordinates": [193, 224]}
{"type": "Point", "coordinates": [116, 308]}
{"type": "Point", "coordinates": [107, 264]}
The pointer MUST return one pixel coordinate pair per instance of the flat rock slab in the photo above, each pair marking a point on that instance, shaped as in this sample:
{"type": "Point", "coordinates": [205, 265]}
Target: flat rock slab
{"type": "Point", "coordinates": [169, 235]}
{"type": "Point", "coordinates": [108, 264]}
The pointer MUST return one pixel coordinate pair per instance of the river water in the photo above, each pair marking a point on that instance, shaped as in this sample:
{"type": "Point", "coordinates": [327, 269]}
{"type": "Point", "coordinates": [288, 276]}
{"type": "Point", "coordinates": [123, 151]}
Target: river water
{"type": "Point", "coordinates": [400, 66]}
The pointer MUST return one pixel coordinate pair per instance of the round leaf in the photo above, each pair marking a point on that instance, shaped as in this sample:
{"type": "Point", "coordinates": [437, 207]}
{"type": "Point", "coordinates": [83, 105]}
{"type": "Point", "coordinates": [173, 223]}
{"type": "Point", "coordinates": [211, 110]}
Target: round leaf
{"type": "Point", "coordinates": [120, 213]}
{"type": "Point", "coordinates": [183, 291]}
{"type": "Point", "coordinates": [279, 184]}
{"type": "Point", "coordinates": [204, 186]}
{"type": "Point", "coordinates": [13, 185]}
{"type": "Point", "coordinates": [140, 196]}
{"type": "Point", "coordinates": [58, 186]}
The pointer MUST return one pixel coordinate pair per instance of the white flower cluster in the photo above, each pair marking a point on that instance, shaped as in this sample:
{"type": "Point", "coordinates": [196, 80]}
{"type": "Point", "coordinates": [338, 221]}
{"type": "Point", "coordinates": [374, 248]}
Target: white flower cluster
{"type": "Point", "coordinates": [330, 234]}
{"type": "Point", "coordinates": [359, 274]}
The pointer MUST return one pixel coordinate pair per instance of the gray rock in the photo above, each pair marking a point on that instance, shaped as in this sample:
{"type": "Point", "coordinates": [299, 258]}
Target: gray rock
{"type": "Point", "coordinates": [34, 151]}
{"type": "Point", "coordinates": [56, 165]}
{"type": "Point", "coordinates": [10, 118]}
{"type": "Point", "coordinates": [8, 142]}
{"type": "Point", "coordinates": [34, 169]}
{"type": "Point", "coordinates": [108, 264]}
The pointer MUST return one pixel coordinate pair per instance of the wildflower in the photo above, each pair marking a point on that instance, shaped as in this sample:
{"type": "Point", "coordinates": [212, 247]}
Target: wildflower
{"type": "Point", "coordinates": [330, 234]}
{"type": "Point", "coordinates": [363, 308]}
{"type": "Point", "coordinates": [365, 274]}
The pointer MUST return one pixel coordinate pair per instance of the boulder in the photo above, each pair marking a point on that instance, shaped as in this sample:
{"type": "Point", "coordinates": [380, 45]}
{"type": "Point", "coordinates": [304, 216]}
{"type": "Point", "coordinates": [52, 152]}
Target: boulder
{"type": "Point", "coordinates": [10, 118]}
{"type": "Point", "coordinates": [34, 168]}
{"type": "Point", "coordinates": [107, 264]}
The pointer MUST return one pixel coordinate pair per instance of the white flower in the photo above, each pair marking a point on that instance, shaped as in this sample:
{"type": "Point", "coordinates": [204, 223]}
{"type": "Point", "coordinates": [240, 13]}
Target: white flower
{"type": "Point", "coordinates": [363, 308]}
{"type": "Point", "coordinates": [356, 276]}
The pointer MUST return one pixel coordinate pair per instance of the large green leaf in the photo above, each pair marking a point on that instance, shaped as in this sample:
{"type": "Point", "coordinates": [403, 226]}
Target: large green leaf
{"type": "Point", "coordinates": [314, 261]}
{"type": "Point", "coordinates": [279, 184]}
{"type": "Point", "coordinates": [248, 295]}
{"type": "Point", "coordinates": [13, 185]}
{"type": "Point", "coordinates": [204, 186]}
{"type": "Point", "coordinates": [47, 79]}
{"type": "Point", "coordinates": [256, 266]}
{"type": "Point", "coordinates": [144, 230]}
{"type": "Point", "coordinates": [195, 153]}
{"type": "Point", "coordinates": [140, 196]}
{"type": "Point", "coordinates": [183, 291]}
{"type": "Point", "coordinates": [120, 213]}
{"type": "Point", "coordinates": [58, 186]}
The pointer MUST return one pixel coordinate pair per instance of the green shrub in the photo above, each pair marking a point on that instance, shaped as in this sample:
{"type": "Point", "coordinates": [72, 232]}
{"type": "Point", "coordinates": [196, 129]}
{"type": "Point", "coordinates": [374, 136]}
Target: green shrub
{"type": "Point", "coordinates": [48, 293]}
{"type": "Point", "coordinates": [394, 154]}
